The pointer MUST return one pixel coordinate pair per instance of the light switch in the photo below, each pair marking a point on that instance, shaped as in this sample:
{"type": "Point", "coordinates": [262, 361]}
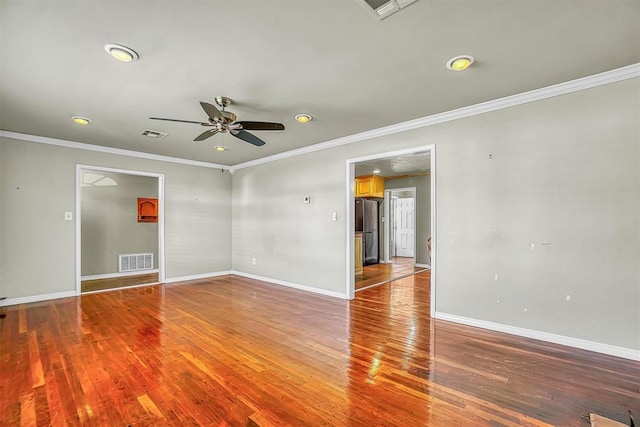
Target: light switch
{"type": "Point", "coordinates": [68, 216]}
{"type": "Point", "coordinates": [334, 216]}
{"type": "Point", "coordinates": [307, 199]}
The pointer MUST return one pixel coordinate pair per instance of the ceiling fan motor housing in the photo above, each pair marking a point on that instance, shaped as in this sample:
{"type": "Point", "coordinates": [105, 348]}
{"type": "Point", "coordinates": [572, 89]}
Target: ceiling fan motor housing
{"type": "Point", "coordinates": [229, 116]}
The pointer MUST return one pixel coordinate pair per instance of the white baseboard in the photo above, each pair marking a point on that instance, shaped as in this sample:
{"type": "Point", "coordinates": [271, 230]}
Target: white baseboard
{"type": "Point", "coordinates": [198, 276]}
{"type": "Point", "coordinates": [611, 350]}
{"type": "Point", "coordinates": [125, 274]}
{"type": "Point", "coordinates": [36, 298]}
{"type": "Point", "coordinates": [341, 295]}
{"type": "Point", "coordinates": [45, 297]}
{"type": "Point", "coordinates": [422, 266]}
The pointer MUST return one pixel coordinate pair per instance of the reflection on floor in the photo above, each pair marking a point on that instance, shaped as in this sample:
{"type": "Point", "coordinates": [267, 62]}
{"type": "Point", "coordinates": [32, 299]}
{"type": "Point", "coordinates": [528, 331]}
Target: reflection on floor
{"type": "Point", "coordinates": [118, 282]}
{"type": "Point", "coordinates": [381, 273]}
{"type": "Point", "coordinates": [233, 351]}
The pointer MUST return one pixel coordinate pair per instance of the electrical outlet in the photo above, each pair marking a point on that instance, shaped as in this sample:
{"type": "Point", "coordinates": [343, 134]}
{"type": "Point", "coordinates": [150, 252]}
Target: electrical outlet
{"type": "Point", "coordinates": [68, 216]}
{"type": "Point", "coordinates": [307, 199]}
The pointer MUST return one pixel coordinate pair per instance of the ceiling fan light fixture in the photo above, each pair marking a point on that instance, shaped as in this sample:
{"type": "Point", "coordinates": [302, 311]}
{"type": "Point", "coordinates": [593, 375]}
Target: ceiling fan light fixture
{"type": "Point", "coordinates": [460, 63]}
{"type": "Point", "coordinates": [303, 118]}
{"type": "Point", "coordinates": [82, 121]}
{"type": "Point", "coordinates": [121, 53]}
{"type": "Point", "coordinates": [220, 148]}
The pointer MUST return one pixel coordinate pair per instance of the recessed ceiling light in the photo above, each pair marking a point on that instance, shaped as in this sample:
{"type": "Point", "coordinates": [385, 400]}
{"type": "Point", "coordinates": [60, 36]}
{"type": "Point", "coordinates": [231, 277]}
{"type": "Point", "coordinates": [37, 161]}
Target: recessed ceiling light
{"type": "Point", "coordinates": [81, 120]}
{"type": "Point", "coordinates": [376, 171]}
{"type": "Point", "coordinates": [220, 148]}
{"type": "Point", "coordinates": [460, 63]}
{"type": "Point", "coordinates": [121, 53]}
{"type": "Point", "coordinates": [303, 118]}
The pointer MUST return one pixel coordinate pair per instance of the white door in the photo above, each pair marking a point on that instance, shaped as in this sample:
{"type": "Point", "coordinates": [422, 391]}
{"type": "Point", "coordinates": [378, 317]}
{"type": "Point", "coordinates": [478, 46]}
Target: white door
{"type": "Point", "coordinates": [405, 227]}
{"type": "Point", "coordinates": [392, 227]}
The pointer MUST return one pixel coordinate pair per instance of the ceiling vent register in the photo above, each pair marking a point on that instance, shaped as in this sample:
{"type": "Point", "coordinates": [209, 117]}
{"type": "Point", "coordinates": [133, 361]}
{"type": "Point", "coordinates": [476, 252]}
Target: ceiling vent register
{"type": "Point", "coordinates": [384, 8]}
{"type": "Point", "coordinates": [154, 134]}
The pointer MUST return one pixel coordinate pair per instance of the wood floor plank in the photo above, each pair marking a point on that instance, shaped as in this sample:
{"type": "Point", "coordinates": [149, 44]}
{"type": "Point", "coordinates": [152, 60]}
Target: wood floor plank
{"type": "Point", "coordinates": [149, 406]}
{"type": "Point", "coordinates": [233, 351]}
{"type": "Point", "coordinates": [37, 375]}
{"type": "Point", "coordinates": [376, 274]}
{"type": "Point", "coordinates": [28, 410]}
{"type": "Point", "coordinates": [22, 319]}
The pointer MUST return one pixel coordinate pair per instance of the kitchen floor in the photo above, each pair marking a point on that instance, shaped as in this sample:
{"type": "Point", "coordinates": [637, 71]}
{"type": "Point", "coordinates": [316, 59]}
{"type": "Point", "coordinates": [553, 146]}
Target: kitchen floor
{"type": "Point", "coordinates": [377, 274]}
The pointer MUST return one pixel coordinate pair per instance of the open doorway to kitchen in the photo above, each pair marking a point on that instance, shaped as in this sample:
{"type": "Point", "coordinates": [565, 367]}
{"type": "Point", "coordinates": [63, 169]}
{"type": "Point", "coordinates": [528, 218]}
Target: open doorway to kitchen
{"type": "Point", "coordinates": [407, 201]}
{"type": "Point", "coordinates": [119, 228]}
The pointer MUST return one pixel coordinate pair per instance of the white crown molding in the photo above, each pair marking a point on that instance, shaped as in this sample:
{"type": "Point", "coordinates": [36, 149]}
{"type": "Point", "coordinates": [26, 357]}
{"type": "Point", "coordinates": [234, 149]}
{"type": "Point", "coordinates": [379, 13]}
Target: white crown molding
{"type": "Point", "coordinates": [604, 78]}
{"type": "Point", "coordinates": [36, 298]}
{"type": "Point", "coordinates": [607, 77]}
{"type": "Point", "coordinates": [108, 150]}
{"type": "Point", "coordinates": [198, 276]}
{"type": "Point", "coordinates": [611, 350]}
{"type": "Point", "coordinates": [334, 294]}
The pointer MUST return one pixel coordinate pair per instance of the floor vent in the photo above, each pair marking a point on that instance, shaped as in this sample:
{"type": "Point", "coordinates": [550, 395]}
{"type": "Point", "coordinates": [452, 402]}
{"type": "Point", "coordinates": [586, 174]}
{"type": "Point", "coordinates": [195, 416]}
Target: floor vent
{"type": "Point", "coordinates": [383, 8]}
{"type": "Point", "coordinates": [135, 262]}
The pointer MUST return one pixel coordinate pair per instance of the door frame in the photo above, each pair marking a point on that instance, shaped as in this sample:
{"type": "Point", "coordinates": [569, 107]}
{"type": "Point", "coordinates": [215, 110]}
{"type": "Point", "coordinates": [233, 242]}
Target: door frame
{"type": "Point", "coordinates": [350, 212]}
{"type": "Point", "coordinates": [161, 252]}
{"type": "Point", "coordinates": [387, 229]}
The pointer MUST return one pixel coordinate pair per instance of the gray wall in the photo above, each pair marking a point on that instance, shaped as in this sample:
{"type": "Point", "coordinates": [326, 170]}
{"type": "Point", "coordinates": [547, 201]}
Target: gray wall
{"type": "Point", "coordinates": [110, 224]}
{"type": "Point", "coordinates": [37, 185]}
{"type": "Point", "coordinates": [292, 241]}
{"type": "Point", "coordinates": [564, 176]}
{"type": "Point", "coordinates": [422, 210]}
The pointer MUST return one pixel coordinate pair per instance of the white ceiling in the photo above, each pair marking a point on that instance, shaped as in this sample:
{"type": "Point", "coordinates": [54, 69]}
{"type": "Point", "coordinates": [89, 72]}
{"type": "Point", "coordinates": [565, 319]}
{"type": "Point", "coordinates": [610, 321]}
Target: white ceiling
{"type": "Point", "coordinates": [395, 166]}
{"type": "Point", "coordinates": [329, 58]}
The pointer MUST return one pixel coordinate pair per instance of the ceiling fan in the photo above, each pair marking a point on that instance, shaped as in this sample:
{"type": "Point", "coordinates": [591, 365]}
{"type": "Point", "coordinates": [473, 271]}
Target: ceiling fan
{"type": "Point", "coordinates": [221, 121]}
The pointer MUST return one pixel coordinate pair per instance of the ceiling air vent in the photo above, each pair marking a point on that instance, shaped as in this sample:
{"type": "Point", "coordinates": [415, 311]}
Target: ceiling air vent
{"type": "Point", "coordinates": [383, 8]}
{"type": "Point", "coordinates": [154, 134]}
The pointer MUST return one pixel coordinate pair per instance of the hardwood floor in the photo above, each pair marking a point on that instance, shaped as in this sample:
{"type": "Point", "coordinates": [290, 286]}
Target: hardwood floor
{"type": "Point", "coordinates": [235, 351]}
{"type": "Point", "coordinates": [118, 282]}
{"type": "Point", "coordinates": [381, 273]}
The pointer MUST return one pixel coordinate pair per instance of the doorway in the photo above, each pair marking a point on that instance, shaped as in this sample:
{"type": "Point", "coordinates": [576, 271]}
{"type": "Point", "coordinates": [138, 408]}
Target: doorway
{"type": "Point", "coordinates": [407, 165]}
{"type": "Point", "coordinates": [397, 240]}
{"type": "Point", "coordinates": [119, 228]}
{"type": "Point", "coordinates": [404, 227]}
{"type": "Point", "coordinates": [399, 231]}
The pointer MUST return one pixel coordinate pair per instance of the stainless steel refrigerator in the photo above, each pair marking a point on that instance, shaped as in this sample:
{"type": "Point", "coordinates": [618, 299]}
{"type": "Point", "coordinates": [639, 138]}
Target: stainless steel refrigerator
{"type": "Point", "coordinates": [367, 223]}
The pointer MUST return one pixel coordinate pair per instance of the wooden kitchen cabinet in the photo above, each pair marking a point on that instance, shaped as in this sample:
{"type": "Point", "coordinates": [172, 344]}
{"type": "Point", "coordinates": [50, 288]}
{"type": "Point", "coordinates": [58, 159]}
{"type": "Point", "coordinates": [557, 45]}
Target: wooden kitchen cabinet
{"type": "Point", "coordinates": [369, 186]}
{"type": "Point", "coordinates": [357, 250]}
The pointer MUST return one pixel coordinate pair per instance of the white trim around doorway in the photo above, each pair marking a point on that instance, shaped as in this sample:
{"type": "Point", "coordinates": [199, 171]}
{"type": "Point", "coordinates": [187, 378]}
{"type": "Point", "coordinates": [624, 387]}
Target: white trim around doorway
{"type": "Point", "coordinates": [387, 228]}
{"type": "Point", "coordinates": [161, 252]}
{"type": "Point", "coordinates": [350, 222]}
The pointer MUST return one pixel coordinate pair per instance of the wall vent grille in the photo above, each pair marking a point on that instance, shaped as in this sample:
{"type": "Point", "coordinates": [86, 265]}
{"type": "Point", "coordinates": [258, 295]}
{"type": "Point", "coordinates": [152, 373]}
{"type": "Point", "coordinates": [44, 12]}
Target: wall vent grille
{"type": "Point", "coordinates": [384, 8]}
{"type": "Point", "coordinates": [135, 262]}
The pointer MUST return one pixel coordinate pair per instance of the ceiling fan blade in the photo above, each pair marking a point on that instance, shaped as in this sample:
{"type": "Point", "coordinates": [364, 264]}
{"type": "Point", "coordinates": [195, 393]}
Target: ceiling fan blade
{"type": "Point", "coordinates": [212, 112]}
{"type": "Point", "coordinates": [247, 137]}
{"type": "Point", "coordinates": [261, 125]}
{"type": "Point", "coordinates": [206, 134]}
{"type": "Point", "coordinates": [181, 121]}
